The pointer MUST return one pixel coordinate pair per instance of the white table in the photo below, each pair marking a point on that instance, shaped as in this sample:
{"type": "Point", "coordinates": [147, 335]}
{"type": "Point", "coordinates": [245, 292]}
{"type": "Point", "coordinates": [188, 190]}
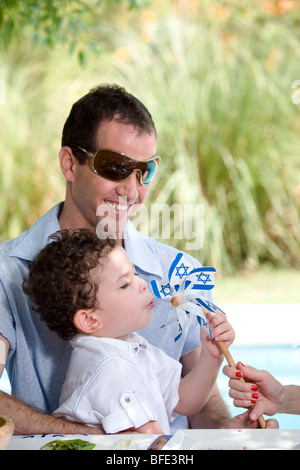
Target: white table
{"type": "Point", "coordinates": [192, 440]}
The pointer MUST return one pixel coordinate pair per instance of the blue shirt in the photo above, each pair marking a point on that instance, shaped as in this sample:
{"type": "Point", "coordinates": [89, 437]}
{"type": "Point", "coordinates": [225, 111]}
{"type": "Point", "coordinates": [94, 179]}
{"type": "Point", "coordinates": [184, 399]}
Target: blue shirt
{"type": "Point", "coordinates": [38, 358]}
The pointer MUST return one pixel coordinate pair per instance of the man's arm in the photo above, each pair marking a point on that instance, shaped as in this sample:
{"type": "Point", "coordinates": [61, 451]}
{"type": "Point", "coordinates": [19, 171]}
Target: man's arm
{"type": "Point", "coordinates": [29, 421]}
{"type": "Point", "coordinates": [215, 413]}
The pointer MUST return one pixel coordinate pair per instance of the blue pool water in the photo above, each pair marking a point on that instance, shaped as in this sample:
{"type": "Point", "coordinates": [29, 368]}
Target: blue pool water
{"type": "Point", "coordinates": [283, 362]}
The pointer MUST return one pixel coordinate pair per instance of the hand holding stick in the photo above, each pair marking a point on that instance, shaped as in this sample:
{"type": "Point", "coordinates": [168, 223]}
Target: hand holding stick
{"type": "Point", "coordinates": [225, 351]}
{"type": "Point", "coordinates": [231, 363]}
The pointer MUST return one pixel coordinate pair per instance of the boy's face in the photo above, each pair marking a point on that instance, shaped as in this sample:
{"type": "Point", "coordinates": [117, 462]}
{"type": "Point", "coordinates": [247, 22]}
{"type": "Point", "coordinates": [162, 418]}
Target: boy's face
{"type": "Point", "coordinates": [125, 303]}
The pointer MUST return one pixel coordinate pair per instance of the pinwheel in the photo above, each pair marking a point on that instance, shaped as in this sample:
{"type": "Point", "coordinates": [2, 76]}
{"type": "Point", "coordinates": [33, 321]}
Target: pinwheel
{"type": "Point", "coordinates": [183, 291]}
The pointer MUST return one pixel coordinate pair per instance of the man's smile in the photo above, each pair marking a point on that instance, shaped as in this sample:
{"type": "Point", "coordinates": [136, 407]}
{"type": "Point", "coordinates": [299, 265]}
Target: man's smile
{"type": "Point", "coordinates": [122, 206]}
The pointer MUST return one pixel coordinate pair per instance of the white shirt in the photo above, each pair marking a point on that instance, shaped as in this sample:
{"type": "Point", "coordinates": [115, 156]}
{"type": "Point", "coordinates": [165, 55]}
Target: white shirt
{"type": "Point", "coordinates": [119, 384]}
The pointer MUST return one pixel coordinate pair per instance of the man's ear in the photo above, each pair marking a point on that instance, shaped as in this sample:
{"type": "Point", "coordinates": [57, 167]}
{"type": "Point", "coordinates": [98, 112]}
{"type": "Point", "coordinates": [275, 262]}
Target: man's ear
{"type": "Point", "coordinates": [87, 321]}
{"type": "Point", "coordinates": [67, 162]}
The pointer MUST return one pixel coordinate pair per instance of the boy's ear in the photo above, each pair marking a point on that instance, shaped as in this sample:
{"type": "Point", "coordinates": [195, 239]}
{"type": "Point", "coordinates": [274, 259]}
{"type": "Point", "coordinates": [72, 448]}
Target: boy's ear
{"type": "Point", "coordinates": [87, 321]}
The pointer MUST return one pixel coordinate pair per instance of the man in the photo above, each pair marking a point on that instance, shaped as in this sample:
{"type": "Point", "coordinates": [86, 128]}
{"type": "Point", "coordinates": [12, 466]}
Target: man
{"type": "Point", "coordinates": [102, 197]}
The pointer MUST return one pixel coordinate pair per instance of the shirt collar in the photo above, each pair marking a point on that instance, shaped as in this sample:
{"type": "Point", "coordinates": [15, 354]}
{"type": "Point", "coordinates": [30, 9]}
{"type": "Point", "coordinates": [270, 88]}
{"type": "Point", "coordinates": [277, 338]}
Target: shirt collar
{"type": "Point", "coordinates": [37, 236]}
{"type": "Point", "coordinates": [137, 245]}
{"type": "Point", "coordinates": [132, 345]}
{"type": "Point", "coordinates": [139, 250]}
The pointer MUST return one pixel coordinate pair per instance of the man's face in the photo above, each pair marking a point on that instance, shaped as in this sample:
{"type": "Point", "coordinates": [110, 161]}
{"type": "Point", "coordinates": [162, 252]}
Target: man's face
{"type": "Point", "coordinates": [96, 198]}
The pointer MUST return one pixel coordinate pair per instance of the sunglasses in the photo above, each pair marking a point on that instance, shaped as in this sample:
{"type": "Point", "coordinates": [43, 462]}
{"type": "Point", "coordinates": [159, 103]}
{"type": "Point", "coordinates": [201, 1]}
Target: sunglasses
{"type": "Point", "coordinates": [116, 166]}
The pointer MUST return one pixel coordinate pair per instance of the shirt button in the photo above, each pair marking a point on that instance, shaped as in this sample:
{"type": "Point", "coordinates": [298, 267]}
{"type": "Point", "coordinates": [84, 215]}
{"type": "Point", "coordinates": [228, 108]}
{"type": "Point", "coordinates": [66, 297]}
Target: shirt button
{"type": "Point", "coordinates": [136, 349]}
{"type": "Point", "coordinates": [127, 399]}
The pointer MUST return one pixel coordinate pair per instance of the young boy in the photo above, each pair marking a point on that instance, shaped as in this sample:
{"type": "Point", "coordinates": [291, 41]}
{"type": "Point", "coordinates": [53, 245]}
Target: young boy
{"type": "Point", "coordinates": [86, 290]}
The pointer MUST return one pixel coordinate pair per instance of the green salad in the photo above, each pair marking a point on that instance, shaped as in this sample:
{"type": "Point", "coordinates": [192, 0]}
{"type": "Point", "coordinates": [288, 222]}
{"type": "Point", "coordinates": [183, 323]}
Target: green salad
{"type": "Point", "coordinates": [73, 444]}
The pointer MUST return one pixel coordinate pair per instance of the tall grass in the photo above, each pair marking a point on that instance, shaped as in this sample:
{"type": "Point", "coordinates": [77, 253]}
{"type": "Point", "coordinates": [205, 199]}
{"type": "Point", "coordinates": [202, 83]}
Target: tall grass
{"type": "Point", "coordinates": [228, 131]}
{"type": "Point", "coordinates": [40, 87]}
{"type": "Point", "coordinates": [227, 128]}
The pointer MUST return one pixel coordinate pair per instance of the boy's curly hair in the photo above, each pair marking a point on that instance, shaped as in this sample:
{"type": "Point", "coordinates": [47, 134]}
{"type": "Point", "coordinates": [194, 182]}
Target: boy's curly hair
{"type": "Point", "coordinates": [60, 281]}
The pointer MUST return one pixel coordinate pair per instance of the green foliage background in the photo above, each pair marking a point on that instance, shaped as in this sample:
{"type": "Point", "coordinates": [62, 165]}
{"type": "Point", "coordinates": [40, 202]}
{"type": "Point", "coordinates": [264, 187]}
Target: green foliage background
{"type": "Point", "coordinates": [217, 77]}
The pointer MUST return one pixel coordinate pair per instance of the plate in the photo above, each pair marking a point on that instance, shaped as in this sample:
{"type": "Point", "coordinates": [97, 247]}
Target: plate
{"type": "Point", "coordinates": [234, 439]}
{"type": "Point", "coordinates": [107, 442]}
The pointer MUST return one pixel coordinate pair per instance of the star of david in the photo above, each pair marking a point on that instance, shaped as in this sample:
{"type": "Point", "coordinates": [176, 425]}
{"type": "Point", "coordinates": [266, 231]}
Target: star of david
{"type": "Point", "coordinates": [182, 273]}
{"type": "Point", "coordinates": [166, 290]}
{"type": "Point", "coordinates": [204, 278]}
{"type": "Point", "coordinates": [210, 306]}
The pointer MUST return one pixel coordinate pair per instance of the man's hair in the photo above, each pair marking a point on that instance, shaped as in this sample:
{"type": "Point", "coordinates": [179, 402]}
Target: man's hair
{"type": "Point", "coordinates": [60, 277]}
{"type": "Point", "coordinates": [103, 103]}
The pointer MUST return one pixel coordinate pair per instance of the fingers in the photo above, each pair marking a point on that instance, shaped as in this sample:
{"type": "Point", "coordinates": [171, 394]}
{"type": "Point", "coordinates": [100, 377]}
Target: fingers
{"type": "Point", "coordinates": [244, 394]}
{"type": "Point", "coordinates": [251, 374]}
{"type": "Point", "coordinates": [259, 408]}
{"type": "Point", "coordinates": [216, 319]}
{"type": "Point", "coordinates": [272, 424]}
{"type": "Point", "coordinates": [244, 421]}
{"type": "Point", "coordinates": [247, 372]}
{"type": "Point", "coordinates": [221, 329]}
{"type": "Point", "coordinates": [253, 392]}
{"type": "Point", "coordinates": [231, 372]}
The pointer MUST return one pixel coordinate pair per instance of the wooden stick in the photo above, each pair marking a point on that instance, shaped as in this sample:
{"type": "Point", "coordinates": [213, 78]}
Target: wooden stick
{"type": "Point", "coordinates": [176, 301]}
{"type": "Point", "coordinates": [231, 363]}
